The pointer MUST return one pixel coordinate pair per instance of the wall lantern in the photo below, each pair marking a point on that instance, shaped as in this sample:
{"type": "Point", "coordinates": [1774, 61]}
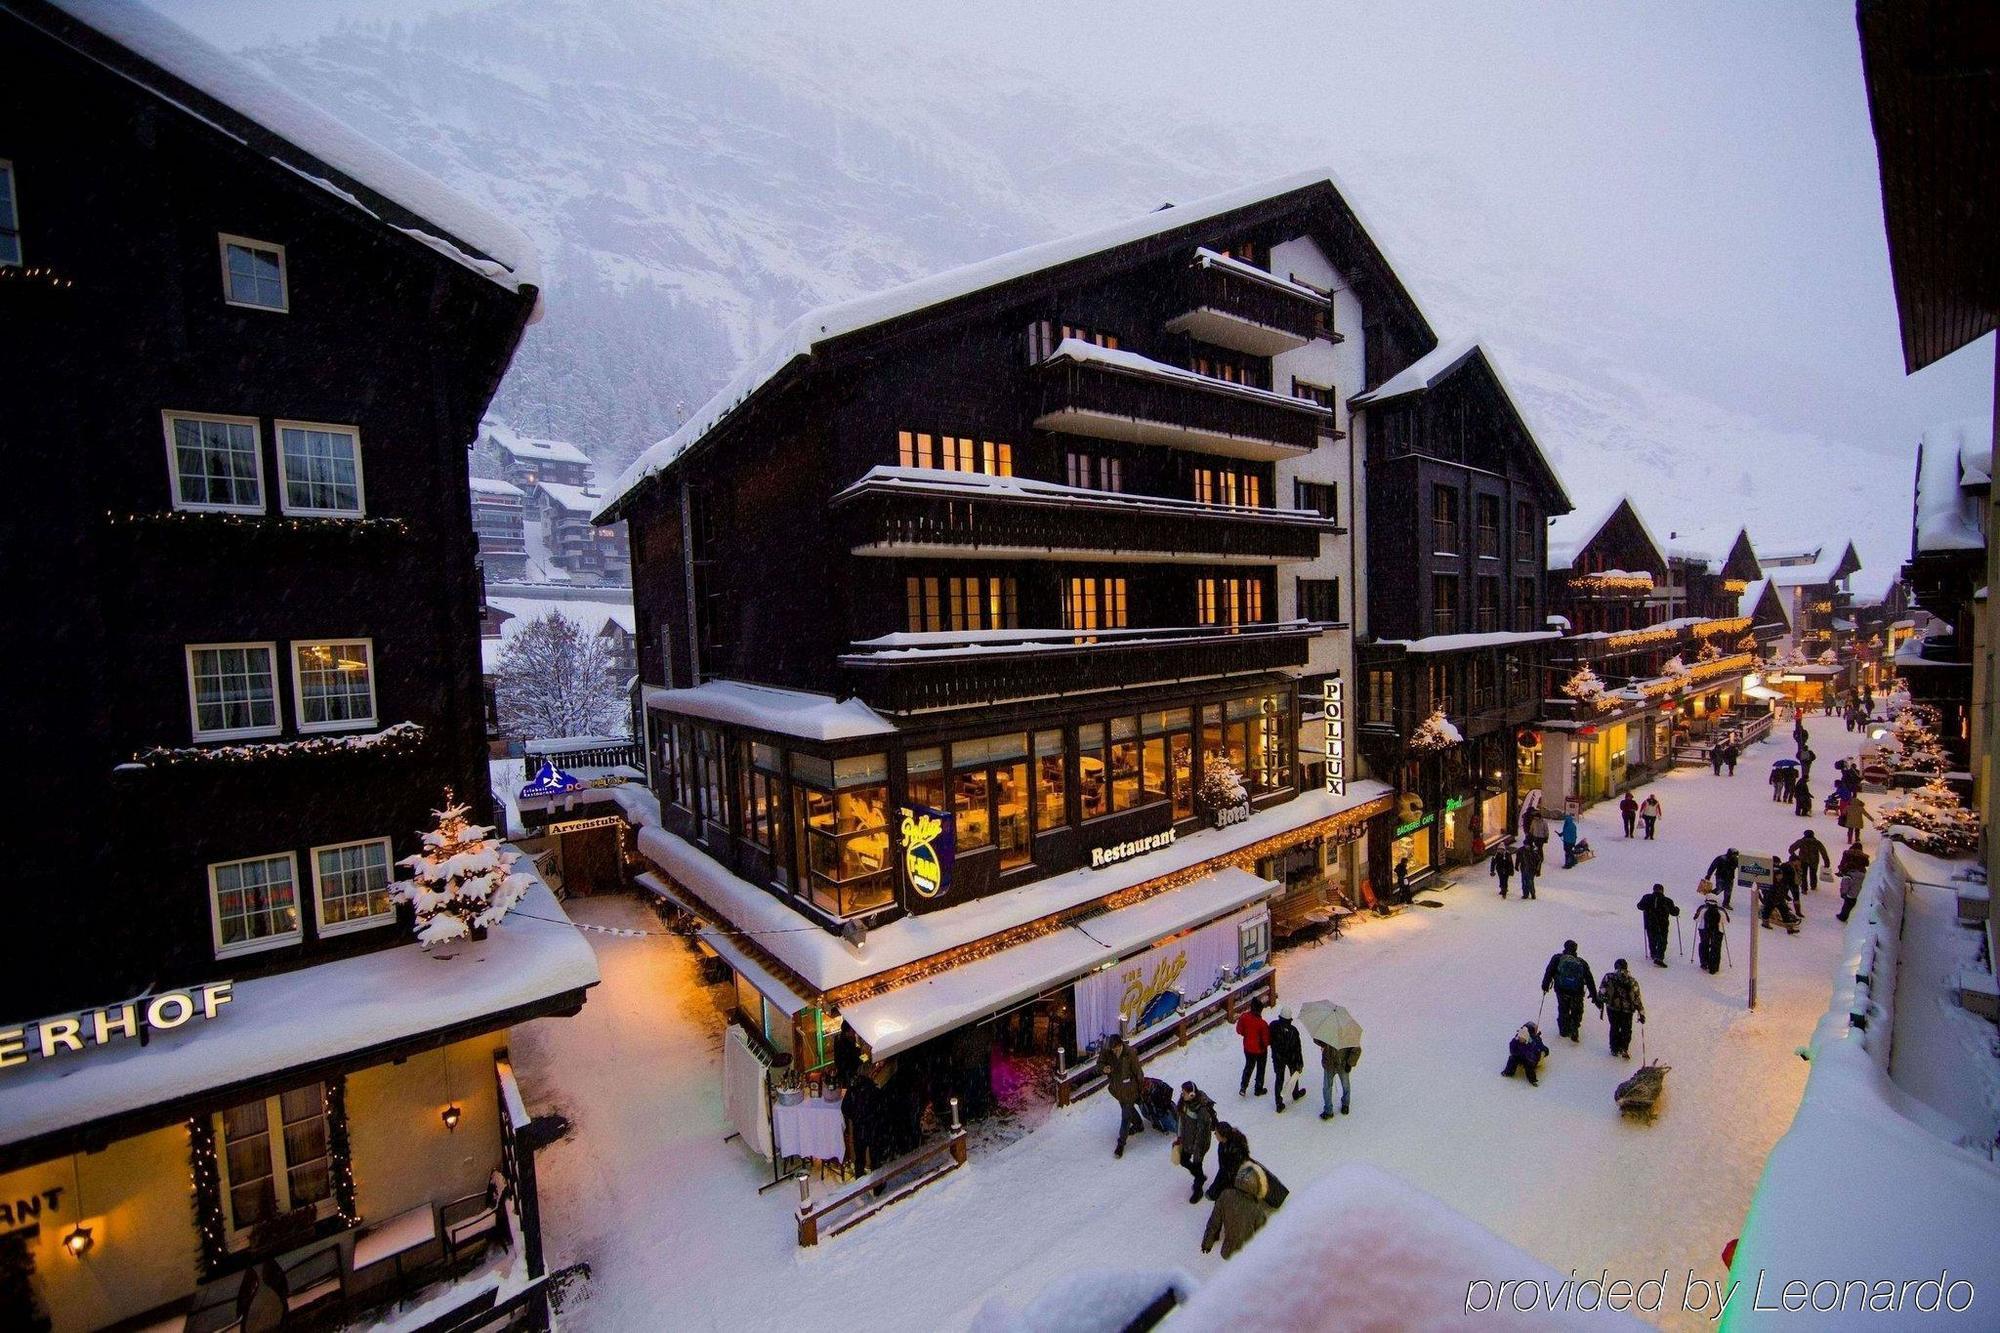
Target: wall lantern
{"type": "Point", "coordinates": [79, 1241]}
{"type": "Point", "coordinates": [451, 1116]}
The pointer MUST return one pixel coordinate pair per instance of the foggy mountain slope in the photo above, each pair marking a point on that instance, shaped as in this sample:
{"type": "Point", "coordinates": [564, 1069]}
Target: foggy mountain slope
{"type": "Point", "coordinates": [697, 180]}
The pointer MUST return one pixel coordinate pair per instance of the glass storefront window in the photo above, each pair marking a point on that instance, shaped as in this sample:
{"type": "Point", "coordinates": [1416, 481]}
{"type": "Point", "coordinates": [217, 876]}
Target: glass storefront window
{"type": "Point", "coordinates": [1181, 749]}
{"type": "Point", "coordinates": [1051, 787]}
{"type": "Point", "coordinates": [990, 795]}
{"type": "Point", "coordinates": [844, 831]}
{"type": "Point", "coordinates": [1093, 784]}
{"type": "Point", "coordinates": [1124, 763]}
{"type": "Point", "coordinates": [925, 770]}
{"type": "Point", "coordinates": [1416, 847]}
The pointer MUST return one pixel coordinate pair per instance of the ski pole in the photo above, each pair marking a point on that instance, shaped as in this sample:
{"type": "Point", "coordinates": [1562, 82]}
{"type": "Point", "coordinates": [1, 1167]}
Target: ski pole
{"type": "Point", "coordinates": [1642, 1043]}
{"type": "Point", "coordinates": [1538, 1008]}
{"type": "Point", "coordinates": [1725, 954]}
{"type": "Point", "coordinates": [1680, 945]}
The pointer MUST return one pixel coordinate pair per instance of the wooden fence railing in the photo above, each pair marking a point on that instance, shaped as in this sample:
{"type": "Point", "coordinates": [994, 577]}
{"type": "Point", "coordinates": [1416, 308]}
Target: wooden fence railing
{"type": "Point", "coordinates": [860, 1199]}
{"type": "Point", "coordinates": [1080, 1080]}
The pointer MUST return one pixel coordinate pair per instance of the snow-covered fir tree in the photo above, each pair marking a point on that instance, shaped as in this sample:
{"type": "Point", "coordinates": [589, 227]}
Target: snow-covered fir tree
{"type": "Point", "coordinates": [1914, 738]}
{"type": "Point", "coordinates": [553, 680]}
{"type": "Point", "coordinates": [1221, 785]}
{"type": "Point", "coordinates": [463, 881]}
{"type": "Point", "coordinates": [1709, 652]}
{"type": "Point", "coordinates": [1436, 732]}
{"type": "Point", "coordinates": [1933, 819]}
{"type": "Point", "coordinates": [1673, 666]}
{"type": "Point", "coordinates": [1586, 687]}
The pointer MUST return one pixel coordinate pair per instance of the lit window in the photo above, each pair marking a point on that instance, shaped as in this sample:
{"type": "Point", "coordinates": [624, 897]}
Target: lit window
{"type": "Point", "coordinates": [215, 463]}
{"type": "Point", "coordinates": [954, 453]}
{"type": "Point", "coordinates": [352, 883]}
{"type": "Point", "coordinates": [320, 467]}
{"type": "Point", "coordinates": [276, 1157]}
{"type": "Point", "coordinates": [233, 690]}
{"type": "Point", "coordinates": [253, 273]}
{"type": "Point", "coordinates": [10, 219]}
{"type": "Point", "coordinates": [256, 904]}
{"type": "Point", "coordinates": [335, 684]}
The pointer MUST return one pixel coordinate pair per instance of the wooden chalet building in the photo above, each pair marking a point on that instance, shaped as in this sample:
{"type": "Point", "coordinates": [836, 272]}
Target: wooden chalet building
{"type": "Point", "coordinates": [949, 602]}
{"type": "Point", "coordinates": [1459, 495]}
{"type": "Point", "coordinates": [1663, 632]}
{"type": "Point", "coordinates": [249, 670]}
{"type": "Point", "coordinates": [1946, 574]}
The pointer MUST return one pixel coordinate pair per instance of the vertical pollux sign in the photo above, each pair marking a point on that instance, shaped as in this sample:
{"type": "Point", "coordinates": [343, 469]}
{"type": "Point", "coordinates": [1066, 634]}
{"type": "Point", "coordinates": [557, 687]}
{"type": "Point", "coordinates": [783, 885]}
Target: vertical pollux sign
{"type": "Point", "coordinates": [1336, 737]}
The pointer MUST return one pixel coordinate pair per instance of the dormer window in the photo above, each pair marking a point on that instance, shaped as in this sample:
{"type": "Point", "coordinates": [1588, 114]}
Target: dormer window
{"type": "Point", "coordinates": [253, 274]}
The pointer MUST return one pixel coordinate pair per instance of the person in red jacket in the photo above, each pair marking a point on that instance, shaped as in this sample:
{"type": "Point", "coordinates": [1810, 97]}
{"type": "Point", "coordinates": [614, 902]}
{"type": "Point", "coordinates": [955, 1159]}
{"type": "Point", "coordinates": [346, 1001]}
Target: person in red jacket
{"type": "Point", "coordinates": [1256, 1034]}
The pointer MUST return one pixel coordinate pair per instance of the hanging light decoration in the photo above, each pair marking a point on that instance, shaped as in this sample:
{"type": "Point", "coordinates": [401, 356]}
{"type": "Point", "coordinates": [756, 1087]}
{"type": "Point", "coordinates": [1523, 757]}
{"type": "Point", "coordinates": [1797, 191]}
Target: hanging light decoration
{"type": "Point", "coordinates": [79, 1240]}
{"type": "Point", "coordinates": [451, 1116]}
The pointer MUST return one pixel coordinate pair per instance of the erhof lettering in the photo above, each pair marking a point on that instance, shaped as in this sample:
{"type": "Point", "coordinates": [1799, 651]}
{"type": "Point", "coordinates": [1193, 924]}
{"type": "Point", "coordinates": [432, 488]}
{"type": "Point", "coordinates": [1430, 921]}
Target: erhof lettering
{"type": "Point", "coordinates": [97, 1027]}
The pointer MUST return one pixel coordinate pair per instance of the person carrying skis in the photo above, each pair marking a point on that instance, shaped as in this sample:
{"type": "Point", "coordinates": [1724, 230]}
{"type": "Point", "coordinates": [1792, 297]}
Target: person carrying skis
{"type": "Point", "coordinates": [1620, 990]}
{"type": "Point", "coordinates": [1197, 1130]}
{"type": "Point", "coordinates": [1119, 1064]}
{"type": "Point", "coordinates": [1288, 1058]}
{"type": "Point", "coordinates": [1571, 979]}
{"type": "Point", "coordinates": [1658, 912]}
{"type": "Point", "coordinates": [1628, 813]}
{"type": "Point", "coordinates": [1256, 1035]}
{"type": "Point", "coordinates": [1530, 862]}
{"type": "Point", "coordinates": [1525, 1053]}
{"type": "Point", "coordinates": [1649, 815]}
{"type": "Point", "coordinates": [1722, 875]}
{"type": "Point", "coordinates": [1501, 867]}
{"type": "Point", "coordinates": [1811, 854]}
{"type": "Point", "coordinates": [1708, 919]}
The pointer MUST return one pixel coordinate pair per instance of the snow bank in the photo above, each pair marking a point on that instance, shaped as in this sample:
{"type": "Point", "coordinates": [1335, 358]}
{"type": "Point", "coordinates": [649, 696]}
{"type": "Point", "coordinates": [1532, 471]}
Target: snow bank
{"type": "Point", "coordinates": [1092, 1301]}
{"type": "Point", "coordinates": [1364, 1249]}
{"type": "Point", "coordinates": [1952, 461]}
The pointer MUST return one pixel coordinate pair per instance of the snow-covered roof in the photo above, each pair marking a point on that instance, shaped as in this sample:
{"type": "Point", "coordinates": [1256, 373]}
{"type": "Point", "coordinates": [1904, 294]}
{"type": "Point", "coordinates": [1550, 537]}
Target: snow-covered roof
{"type": "Point", "coordinates": [1573, 531]}
{"type": "Point", "coordinates": [1753, 594]}
{"type": "Point", "coordinates": [1452, 643]}
{"type": "Point", "coordinates": [314, 144]}
{"type": "Point", "coordinates": [812, 717]}
{"type": "Point", "coordinates": [1077, 349]}
{"type": "Point", "coordinates": [528, 446]}
{"type": "Point", "coordinates": [897, 1020]}
{"type": "Point", "coordinates": [1781, 558]}
{"type": "Point", "coordinates": [297, 1019]}
{"type": "Point", "coordinates": [1953, 460]}
{"type": "Point", "coordinates": [826, 961]}
{"type": "Point", "coordinates": [575, 499]}
{"type": "Point", "coordinates": [1208, 258]}
{"type": "Point", "coordinates": [1794, 576]}
{"type": "Point", "coordinates": [493, 486]}
{"type": "Point", "coordinates": [828, 322]}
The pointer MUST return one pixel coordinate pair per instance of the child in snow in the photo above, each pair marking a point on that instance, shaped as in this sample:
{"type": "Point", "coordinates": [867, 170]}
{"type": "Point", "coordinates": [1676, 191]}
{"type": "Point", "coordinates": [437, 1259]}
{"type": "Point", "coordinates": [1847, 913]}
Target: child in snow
{"type": "Point", "coordinates": [1525, 1053]}
{"type": "Point", "coordinates": [1501, 867]}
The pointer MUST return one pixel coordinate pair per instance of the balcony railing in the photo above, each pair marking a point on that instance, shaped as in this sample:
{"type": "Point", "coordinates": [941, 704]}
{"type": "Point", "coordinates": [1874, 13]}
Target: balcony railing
{"type": "Point", "coordinates": [896, 676]}
{"type": "Point", "coordinates": [1230, 304]}
{"type": "Point", "coordinates": [904, 512]}
{"type": "Point", "coordinates": [1147, 403]}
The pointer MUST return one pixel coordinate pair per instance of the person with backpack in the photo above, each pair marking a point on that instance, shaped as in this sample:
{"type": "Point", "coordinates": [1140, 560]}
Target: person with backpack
{"type": "Point", "coordinates": [1708, 928]}
{"type": "Point", "coordinates": [1197, 1130]}
{"type": "Point", "coordinates": [1649, 815]}
{"type": "Point", "coordinates": [1256, 1035]}
{"type": "Point", "coordinates": [1658, 911]}
{"type": "Point", "coordinates": [1570, 838]}
{"type": "Point", "coordinates": [1811, 854]}
{"type": "Point", "coordinates": [1722, 875]}
{"type": "Point", "coordinates": [1335, 1063]}
{"type": "Point", "coordinates": [1571, 979]}
{"type": "Point", "coordinates": [1530, 862]}
{"type": "Point", "coordinates": [1622, 1001]}
{"type": "Point", "coordinates": [1501, 867]}
{"type": "Point", "coordinates": [1232, 1150]}
{"type": "Point", "coordinates": [1288, 1058]}
{"type": "Point", "coordinates": [1853, 872]}
{"type": "Point", "coordinates": [1628, 813]}
{"type": "Point", "coordinates": [1241, 1210]}
{"type": "Point", "coordinates": [1123, 1077]}
{"type": "Point", "coordinates": [1525, 1053]}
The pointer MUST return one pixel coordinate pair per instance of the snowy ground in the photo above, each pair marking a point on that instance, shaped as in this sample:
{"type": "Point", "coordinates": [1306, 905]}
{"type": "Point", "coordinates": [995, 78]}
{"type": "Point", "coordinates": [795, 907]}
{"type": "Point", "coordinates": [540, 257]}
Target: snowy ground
{"type": "Point", "coordinates": [668, 1215]}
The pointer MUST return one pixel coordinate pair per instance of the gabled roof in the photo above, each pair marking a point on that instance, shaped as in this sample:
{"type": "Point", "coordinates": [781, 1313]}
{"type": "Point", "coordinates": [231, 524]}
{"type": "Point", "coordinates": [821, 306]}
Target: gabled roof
{"type": "Point", "coordinates": [529, 446]}
{"type": "Point", "coordinates": [575, 499]}
{"type": "Point", "coordinates": [1741, 562]}
{"type": "Point", "coordinates": [184, 71]}
{"type": "Point", "coordinates": [1760, 598]}
{"type": "Point", "coordinates": [1011, 275]}
{"type": "Point", "coordinates": [1824, 569]}
{"type": "Point", "coordinates": [1570, 536]}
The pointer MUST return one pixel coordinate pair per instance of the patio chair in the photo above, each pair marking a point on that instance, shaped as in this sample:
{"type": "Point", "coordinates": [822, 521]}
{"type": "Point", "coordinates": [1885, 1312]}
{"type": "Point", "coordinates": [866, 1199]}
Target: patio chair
{"type": "Point", "coordinates": [474, 1220]}
{"type": "Point", "coordinates": [307, 1279]}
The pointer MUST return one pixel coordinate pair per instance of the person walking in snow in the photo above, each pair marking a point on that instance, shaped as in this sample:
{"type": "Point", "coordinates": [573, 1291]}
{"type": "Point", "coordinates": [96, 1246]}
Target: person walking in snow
{"type": "Point", "coordinates": [1811, 855]}
{"type": "Point", "coordinates": [1570, 838]}
{"type": "Point", "coordinates": [1779, 900]}
{"type": "Point", "coordinates": [1853, 872]}
{"type": "Point", "coordinates": [1854, 818]}
{"type": "Point", "coordinates": [1525, 1053]}
{"type": "Point", "coordinates": [1240, 1211]}
{"type": "Point", "coordinates": [1335, 1063]}
{"type": "Point", "coordinates": [1622, 1001]}
{"type": "Point", "coordinates": [1730, 754]}
{"type": "Point", "coordinates": [1722, 875]}
{"type": "Point", "coordinates": [1571, 979]}
{"type": "Point", "coordinates": [1715, 749]}
{"type": "Point", "coordinates": [1658, 912]}
{"type": "Point", "coordinates": [1502, 867]}
{"type": "Point", "coordinates": [1123, 1077]}
{"type": "Point", "coordinates": [1708, 930]}
{"type": "Point", "coordinates": [1288, 1058]}
{"type": "Point", "coordinates": [1538, 829]}
{"type": "Point", "coordinates": [1806, 756]}
{"type": "Point", "coordinates": [1256, 1035]}
{"type": "Point", "coordinates": [1802, 798]}
{"type": "Point", "coordinates": [1649, 815]}
{"type": "Point", "coordinates": [1232, 1150]}
{"type": "Point", "coordinates": [1781, 781]}
{"type": "Point", "coordinates": [1530, 862]}
{"type": "Point", "coordinates": [1628, 812]}
{"type": "Point", "coordinates": [1197, 1130]}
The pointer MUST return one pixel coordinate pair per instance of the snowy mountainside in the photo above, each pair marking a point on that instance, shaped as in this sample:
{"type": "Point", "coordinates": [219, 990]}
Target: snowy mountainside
{"type": "Point", "coordinates": [698, 178]}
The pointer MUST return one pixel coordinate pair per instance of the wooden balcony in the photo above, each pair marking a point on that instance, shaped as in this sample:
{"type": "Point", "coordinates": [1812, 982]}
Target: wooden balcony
{"type": "Point", "coordinates": [1120, 396]}
{"type": "Point", "coordinates": [1231, 304]}
{"type": "Point", "coordinates": [908, 512]}
{"type": "Point", "coordinates": [1031, 664]}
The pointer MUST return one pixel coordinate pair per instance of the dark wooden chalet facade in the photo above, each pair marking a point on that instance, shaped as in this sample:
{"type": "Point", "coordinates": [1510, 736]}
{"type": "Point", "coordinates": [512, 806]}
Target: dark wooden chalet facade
{"type": "Point", "coordinates": [244, 605]}
{"type": "Point", "coordinates": [1946, 572]}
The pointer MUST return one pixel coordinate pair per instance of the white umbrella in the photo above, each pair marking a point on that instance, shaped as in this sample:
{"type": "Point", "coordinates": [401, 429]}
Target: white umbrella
{"type": "Point", "coordinates": [1328, 1022]}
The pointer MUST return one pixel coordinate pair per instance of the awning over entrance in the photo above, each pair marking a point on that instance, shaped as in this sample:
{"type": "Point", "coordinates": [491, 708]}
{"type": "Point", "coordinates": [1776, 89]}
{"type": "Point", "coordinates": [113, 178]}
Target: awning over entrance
{"type": "Point", "coordinates": [772, 989]}
{"type": "Point", "coordinates": [903, 1017]}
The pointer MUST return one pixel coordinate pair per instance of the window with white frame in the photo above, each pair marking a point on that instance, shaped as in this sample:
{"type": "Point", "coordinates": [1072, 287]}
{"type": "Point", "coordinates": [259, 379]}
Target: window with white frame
{"type": "Point", "coordinates": [215, 463]}
{"type": "Point", "coordinates": [352, 884]}
{"type": "Point", "coordinates": [256, 903]}
{"type": "Point", "coordinates": [334, 684]}
{"type": "Point", "coordinates": [10, 219]}
{"type": "Point", "coordinates": [253, 273]}
{"type": "Point", "coordinates": [276, 1157]}
{"type": "Point", "coordinates": [320, 467]}
{"type": "Point", "coordinates": [233, 690]}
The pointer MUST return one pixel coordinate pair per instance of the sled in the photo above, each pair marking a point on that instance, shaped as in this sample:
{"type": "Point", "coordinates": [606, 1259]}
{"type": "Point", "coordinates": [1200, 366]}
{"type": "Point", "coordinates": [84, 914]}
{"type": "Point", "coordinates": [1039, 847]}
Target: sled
{"type": "Point", "coordinates": [1639, 1096]}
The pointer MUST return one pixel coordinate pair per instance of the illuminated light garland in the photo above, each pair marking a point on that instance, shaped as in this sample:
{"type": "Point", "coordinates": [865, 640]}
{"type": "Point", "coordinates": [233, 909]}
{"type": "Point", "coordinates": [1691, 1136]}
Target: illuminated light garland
{"type": "Point", "coordinates": [1717, 628]}
{"type": "Point", "coordinates": [210, 1230]}
{"type": "Point", "coordinates": [402, 738]}
{"type": "Point", "coordinates": [1435, 732]}
{"type": "Point", "coordinates": [1933, 819]}
{"type": "Point", "coordinates": [340, 1150]}
{"type": "Point", "coordinates": [1638, 638]}
{"type": "Point", "coordinates": [1612, 580]}
{"type": "Point", "coordinates": [41, 274]}
{"type": "Point", "coordinates": [204, 521]}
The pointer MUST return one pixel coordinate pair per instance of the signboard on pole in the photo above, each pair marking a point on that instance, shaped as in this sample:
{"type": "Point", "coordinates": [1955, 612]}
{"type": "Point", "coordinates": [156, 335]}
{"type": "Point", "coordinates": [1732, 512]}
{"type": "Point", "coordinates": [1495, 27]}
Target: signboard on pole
{"type": "Point", "coordinates": [1335, 705]}
{"type": "Point", "coordinates": [1755, 871]}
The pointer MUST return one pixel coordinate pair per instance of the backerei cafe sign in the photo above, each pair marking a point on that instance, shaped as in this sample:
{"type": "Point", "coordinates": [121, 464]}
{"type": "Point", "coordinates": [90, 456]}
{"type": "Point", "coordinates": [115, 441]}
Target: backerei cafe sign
{"type": "Point", "coordinates": [71, 1033]}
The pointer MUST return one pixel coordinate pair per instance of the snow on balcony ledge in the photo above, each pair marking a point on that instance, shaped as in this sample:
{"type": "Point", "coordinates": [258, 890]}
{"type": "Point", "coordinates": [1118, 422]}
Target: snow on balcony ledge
{"type": "Point", "coordinates": [1208, 258]}
{"type": "Point", "coordinates": [936, 481]}
{"type": "Point", "coordinates": [1131, 363]}
{"type": "Point", "coordinates": [931, 645]}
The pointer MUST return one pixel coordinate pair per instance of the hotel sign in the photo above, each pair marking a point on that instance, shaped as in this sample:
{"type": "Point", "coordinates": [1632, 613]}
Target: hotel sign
{"type": "Point", "coordinates": [1335, 704]}
{"type": "Point", "coordinates": [70, 1033]}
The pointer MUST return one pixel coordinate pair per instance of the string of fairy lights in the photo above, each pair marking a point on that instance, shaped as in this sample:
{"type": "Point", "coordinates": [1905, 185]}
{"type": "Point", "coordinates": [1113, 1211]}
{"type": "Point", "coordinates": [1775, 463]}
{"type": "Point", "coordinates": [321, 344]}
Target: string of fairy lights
{"type": "Point", "coordinates": [206, 521]}
{"type": "Point", "coordinates": [401, 738]}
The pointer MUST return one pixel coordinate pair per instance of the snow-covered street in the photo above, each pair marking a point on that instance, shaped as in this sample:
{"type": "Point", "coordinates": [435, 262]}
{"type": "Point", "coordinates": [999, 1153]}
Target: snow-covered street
{"type": "Point", "coordinates": [669, 1218]}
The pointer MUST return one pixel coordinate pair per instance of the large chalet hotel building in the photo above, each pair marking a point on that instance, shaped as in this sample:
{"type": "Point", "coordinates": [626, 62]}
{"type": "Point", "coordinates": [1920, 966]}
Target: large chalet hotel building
{"type": "Point", "coordinates": [249, 352]}
{"type": "Point", "coordinates": [998, 631]}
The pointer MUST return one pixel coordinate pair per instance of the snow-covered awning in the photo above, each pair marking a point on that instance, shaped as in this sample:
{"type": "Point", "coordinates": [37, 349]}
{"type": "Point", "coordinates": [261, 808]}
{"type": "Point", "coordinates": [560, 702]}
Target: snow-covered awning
{"type": "Point", "coordinates": [1453, 643]}
{"type": "Point", "coordinates": [901, 1018]}
{"type": "Point", "coordinates": [811, 717]}
{"type": "Point", "coordinates": [359, 1009]}
{"type": "Point", "coordinates": [732, 953]}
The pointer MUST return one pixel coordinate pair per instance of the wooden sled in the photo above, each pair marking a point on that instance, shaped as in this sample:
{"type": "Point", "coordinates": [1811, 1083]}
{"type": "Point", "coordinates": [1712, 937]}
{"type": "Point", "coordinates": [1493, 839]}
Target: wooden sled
{"type": "Point", "coordinates": [1639, 1096]}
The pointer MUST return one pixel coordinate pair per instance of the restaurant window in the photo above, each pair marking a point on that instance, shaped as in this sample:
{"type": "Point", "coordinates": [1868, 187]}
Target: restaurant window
{"type": "Point", "coordinates": [1228, 486]}
{"type": "Point", "coordinates": [351, 882]}
{"type": "Point", "coordinates": [1486, 526]}
{"type": "Point", "coordinates": [1253, 736]}
{"type": "Point", "coordinates": [1093, 472]}
{"type": "Point", "coordinates": [1524, 532]}
{"type": "Point", "coordinates": [1444, 520]}
{"type": "Point", "coordinates": [954, 453]}
{"type": "Point", "coordinates": [1091, 602]}
{"type": "Point", "coordinates": [334, 684]}
{"type": "Point", "coordinates": [1319, 600]}
{"type": "Point", "coordinates": [700, 776]}
{"type": "Point", "coordinates": [1229, 601]}
{"type": "Point", "coordinates": [1524, 604]}
{"type": "Point", "coordinates": [974, 602]}
{"type": "Point", "coordinates": [1444, 603]}
{"type": "Point", "coordinates": [1110, 774]}
{"type": "Point", "coordinates": [275, 1154]}
{"type": "Point", "coordinates": [1487, 617]}
{"type": "Point", "coordinates": [760, 794]}
{"type": "Point", "coordinates": [762, 1017]}
{"type": "Point", "coordinates": [1051, 780]}
{"type": "Point", "coordinates": [255, 904]}
{"type": "Point", "coordinates": [1382, 696]}
{"type": "Point", "coordinates": [840, 824]}
{"type": "Point", "coordinates": [1167, 756]}
{"type": "Point", "coordinates": [989, 780]}
{"type": "Point", "coordinates": [1321, 497]}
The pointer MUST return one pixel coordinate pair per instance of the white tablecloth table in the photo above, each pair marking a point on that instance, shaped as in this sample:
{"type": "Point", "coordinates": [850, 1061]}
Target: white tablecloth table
{"type": "Point", "coordinates": [810, 1128]}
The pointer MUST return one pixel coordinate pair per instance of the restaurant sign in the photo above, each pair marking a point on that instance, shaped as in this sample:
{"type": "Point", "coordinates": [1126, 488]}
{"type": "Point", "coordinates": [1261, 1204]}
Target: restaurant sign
{"type": "Point", "coordinates": [51, 1037]}
{"type": "Point", "coordinates": [928, 845]}
{"type": "Point", "coordinates": [1334, 705]}
{"type": "Point", "coordinates": [1101, 857]}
